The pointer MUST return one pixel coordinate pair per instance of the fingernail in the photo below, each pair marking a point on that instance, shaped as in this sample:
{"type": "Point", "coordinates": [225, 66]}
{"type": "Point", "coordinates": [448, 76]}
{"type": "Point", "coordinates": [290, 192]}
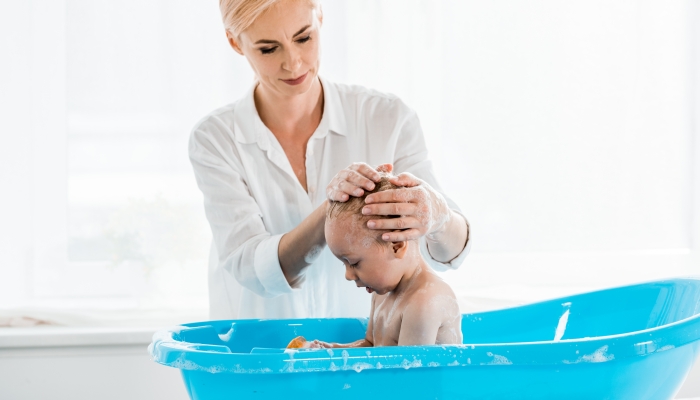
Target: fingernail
{"type": "Point", "coordinates": [357, 192]}
{"type": "Point", "coordinates": [368, 199]}
{"type": "Point", "coordinates": [371, 224]}
{"type": "Point", "coordinates": [370, 186]}
{"type": "Point", "coordinates": [366, 210]}
{"type": "Point", "coordinates": [385, 237]}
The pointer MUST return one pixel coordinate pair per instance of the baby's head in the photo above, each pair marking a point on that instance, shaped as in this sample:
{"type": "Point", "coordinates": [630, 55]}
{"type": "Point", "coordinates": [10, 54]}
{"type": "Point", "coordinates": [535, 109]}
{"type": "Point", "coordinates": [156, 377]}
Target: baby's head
{"type": "Point", "coordinates": [370, 261]}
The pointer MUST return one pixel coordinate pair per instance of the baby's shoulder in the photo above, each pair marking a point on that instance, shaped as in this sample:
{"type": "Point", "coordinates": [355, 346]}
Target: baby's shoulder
{"type": "Point", "coordinates": [432, 295]}
{"type": "Point", "coordinates": [433, 285]}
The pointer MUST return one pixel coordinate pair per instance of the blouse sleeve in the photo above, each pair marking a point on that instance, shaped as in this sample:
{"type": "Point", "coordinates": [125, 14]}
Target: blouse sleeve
{"type": "Point", "coordinates": [245, 248]}
{"type": "Point", "coordinates": [412, 156]}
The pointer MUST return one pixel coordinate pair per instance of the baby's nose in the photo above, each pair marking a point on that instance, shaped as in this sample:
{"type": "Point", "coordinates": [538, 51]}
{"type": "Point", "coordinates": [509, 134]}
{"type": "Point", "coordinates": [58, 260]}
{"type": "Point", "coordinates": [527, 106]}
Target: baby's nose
{"type": "Point", "coordinates": [350, 273]}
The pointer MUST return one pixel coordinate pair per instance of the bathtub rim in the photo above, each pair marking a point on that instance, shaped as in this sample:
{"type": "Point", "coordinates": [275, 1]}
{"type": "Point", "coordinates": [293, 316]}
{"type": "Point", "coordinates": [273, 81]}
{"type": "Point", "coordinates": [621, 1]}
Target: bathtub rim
{"type": "Point", "coordinates": [167, 350]}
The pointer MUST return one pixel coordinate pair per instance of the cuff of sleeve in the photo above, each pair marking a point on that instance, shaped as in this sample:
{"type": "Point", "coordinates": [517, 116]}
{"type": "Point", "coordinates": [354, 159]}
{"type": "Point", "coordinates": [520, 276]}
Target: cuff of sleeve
{"type": "Point", "coordinates": [455, 262]}
{"type": "Point", "coordinates": [268, 269]}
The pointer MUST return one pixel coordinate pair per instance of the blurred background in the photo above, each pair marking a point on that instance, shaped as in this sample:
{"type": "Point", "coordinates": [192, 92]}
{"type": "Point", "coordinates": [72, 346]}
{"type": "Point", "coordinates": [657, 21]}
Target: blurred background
{"type": "Point", "coordinates": [568, 133]}
{"type": "Point", "coordinates": [565, 131]}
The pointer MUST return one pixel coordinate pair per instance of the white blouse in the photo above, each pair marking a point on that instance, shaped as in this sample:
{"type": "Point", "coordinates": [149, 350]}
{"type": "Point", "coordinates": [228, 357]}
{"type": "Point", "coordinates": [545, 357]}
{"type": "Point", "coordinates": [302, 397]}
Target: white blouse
{"type": "Point", "coordinates": [252, 198]}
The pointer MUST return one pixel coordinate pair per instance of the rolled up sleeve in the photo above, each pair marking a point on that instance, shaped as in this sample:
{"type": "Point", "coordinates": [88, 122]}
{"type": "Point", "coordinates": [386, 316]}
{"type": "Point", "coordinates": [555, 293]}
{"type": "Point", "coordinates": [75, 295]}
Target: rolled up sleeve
{"type": "Point", "coordinates": [452, 264]}
{"type": "Point", "coordinates": [267, 267]}
{"type": "Point", "coordinates": [245, 248]}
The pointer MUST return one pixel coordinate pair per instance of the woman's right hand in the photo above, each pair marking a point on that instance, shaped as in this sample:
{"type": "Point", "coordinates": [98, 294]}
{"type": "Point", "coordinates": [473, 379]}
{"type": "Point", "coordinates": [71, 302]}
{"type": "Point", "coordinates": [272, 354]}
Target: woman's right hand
{"type": "Point", "coordinates": [354, 180]}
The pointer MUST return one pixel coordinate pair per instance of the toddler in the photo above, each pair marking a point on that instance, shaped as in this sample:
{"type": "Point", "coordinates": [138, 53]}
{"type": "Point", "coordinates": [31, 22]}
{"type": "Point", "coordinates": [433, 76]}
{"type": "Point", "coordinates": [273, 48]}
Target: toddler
{"type": "Point", "coordinates": [411, 305]}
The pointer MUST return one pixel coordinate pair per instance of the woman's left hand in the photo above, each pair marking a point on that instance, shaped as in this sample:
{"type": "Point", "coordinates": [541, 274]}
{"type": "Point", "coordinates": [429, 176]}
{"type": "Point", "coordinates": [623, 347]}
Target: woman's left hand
{"type": "Point", "coordinates": [422, 210]}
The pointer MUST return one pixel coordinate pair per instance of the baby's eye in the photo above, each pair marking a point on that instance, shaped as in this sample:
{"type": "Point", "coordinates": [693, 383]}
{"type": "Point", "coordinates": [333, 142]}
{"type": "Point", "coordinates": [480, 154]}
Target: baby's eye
{"type": "Point", "coordinates": [355, 265]}
{"type": "Point", "coordinates": [304, 39]}
{"type": "Point", "coordinates": [268, 50]}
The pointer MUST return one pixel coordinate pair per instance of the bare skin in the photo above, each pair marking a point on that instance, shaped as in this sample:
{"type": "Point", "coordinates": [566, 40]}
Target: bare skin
{"type": "Point", "coordinates": [283, 45]}
{"type": "Point", "coordinates": [411, 305]}
{"type": "Point", "coordinates": [425, 312]}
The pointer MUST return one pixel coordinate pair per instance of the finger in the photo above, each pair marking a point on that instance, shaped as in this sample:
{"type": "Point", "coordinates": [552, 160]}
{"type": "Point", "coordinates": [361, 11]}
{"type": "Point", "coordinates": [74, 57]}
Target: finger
{"type": "Point", "coordinates": [350, 189]}
{"type": "Point", "coordinates": [389, 196]}
{"type": "Point", "coordinates": [394, 223]}
{"type": "Point", "coordinates": [400, 236]}
{"type": "Point", "coordinates": [405, 179]}
{"type": "Point", "coordinates": [366, 171]}
{"type": "Point", "coordinates": [386, 168]}
{"type": "Point", "coordinates": [337, 195]}
{"type": "Point", "coordinates": [356, 179]}
{"type": "Point", "coordinates": [334, 193]}
{"type": "Point", "coordinates": [390, 209]}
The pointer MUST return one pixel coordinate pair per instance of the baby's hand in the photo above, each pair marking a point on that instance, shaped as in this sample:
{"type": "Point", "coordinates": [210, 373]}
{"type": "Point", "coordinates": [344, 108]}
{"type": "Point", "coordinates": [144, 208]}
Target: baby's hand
{"type": "Point", "coordinates": [318, 344]}
{"type": "Point", "coordinates": [300, 342]}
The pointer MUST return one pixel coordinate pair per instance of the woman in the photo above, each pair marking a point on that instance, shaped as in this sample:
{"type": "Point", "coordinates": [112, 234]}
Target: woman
{"type": "Point", "coordinates": [267, 164]}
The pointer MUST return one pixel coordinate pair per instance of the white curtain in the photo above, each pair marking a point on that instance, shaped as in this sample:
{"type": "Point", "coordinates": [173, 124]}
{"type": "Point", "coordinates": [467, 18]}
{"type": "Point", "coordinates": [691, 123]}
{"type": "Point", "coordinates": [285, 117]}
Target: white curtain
{"type": "Point", "coordinates": [567, 132]}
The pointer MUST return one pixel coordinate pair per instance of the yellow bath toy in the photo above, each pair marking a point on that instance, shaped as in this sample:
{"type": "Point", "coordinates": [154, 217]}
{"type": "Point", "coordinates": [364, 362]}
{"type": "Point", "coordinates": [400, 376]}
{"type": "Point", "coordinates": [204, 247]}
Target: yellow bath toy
{"type": "Point", "coordinates": [297, 343]}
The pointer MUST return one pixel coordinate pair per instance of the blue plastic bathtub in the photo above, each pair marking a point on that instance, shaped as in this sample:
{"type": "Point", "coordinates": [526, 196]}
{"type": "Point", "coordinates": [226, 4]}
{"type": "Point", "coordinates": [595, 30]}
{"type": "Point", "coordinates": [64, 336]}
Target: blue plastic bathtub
{"type": "Point", "coordinates": [634, 342]}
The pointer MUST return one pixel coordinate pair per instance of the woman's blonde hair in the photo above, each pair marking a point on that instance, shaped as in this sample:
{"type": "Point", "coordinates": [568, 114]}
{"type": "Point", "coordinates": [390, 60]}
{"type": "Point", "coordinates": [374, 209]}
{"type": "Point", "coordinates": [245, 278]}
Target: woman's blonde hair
{"type": "Point", "coordinates": [238, 15]}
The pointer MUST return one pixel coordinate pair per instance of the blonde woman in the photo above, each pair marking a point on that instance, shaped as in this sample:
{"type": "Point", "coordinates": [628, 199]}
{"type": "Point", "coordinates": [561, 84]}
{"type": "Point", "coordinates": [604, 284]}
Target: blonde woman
{"type": "Point", "coordinates": [268, 163]}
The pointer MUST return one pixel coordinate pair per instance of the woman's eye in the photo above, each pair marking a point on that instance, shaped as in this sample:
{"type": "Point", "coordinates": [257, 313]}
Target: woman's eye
{"type": "Point", "coordinates": [268, 50]}
{"type": "Point", "coordinates": [304, 39]}
{"type": "Point", "coordinates": [355, 265]}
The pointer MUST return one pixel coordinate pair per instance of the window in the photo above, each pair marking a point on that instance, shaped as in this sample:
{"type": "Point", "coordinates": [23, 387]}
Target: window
{"type": "Point", "coordinates": [568, 134]}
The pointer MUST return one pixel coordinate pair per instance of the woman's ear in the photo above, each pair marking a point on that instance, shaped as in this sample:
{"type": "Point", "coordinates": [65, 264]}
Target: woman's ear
{"type": "Point", "coordinates": [399, 249]}
{"type": "Point", "coordinates": [234, 43]}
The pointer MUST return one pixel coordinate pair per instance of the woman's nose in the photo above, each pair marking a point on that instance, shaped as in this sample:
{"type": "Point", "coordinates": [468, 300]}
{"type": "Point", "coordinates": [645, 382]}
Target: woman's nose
{"type": "Point", "coordinates": [350, 273]}
{"type": "Point", "coordinates": [292, 61]}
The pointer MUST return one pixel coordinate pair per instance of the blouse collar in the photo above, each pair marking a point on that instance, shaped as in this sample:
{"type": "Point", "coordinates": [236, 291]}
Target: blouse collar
{"type": "Point", "coordinates": [249, 128]}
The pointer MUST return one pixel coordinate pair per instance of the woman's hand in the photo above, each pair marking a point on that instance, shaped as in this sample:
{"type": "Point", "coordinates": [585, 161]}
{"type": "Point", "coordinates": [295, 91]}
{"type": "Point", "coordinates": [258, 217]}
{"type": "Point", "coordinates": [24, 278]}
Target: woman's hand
{"type": "Point", "coordinates": [423, 210]}
{"type": "Point", "coordinates": [354, 180]}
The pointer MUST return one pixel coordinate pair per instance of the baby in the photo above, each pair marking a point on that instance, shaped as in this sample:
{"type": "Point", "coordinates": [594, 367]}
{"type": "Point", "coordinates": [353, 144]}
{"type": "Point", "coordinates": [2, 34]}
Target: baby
{"type": "Point", "coordinates": [411, 305]}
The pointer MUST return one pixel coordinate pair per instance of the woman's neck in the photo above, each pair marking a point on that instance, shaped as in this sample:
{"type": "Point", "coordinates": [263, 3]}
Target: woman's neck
{"type": "Point", "coordinates": [290, 115]}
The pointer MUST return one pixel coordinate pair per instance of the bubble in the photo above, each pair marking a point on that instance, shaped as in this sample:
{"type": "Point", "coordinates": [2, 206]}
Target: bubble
{"type": "Point", "coordinates": [313, 254]}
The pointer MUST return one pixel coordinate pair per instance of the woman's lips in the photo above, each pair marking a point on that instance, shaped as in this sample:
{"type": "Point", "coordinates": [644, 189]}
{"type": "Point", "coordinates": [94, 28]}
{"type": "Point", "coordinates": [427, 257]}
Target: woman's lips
{"type": "Point", "coordinates": [296, 81]}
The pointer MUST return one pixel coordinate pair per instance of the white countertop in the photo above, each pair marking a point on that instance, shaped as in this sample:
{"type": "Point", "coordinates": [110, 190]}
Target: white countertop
{"type": "Point", "coordinates": [60, 336]}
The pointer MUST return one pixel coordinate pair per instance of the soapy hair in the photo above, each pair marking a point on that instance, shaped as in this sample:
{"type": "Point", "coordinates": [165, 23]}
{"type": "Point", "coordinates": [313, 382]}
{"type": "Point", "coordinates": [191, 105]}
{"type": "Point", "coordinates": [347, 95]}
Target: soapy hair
{"type": "Point", "coordinates": [353, 207]}
{"type": "Point", "coordinates": [239, 15]}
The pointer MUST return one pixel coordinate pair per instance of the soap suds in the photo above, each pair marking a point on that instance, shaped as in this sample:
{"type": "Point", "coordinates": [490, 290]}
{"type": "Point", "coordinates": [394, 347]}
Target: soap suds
{"type": "Point", "coordinates": [313, 254]}
{"type": "Point", "coordinates": [358, 367]}
{"type": "Point", "coordinates": [598, 356]}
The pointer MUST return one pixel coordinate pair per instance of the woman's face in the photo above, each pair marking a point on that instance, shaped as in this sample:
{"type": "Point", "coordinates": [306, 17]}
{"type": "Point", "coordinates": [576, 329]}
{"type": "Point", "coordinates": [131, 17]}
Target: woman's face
{"type": "Point", "coordinates": [282, 47]}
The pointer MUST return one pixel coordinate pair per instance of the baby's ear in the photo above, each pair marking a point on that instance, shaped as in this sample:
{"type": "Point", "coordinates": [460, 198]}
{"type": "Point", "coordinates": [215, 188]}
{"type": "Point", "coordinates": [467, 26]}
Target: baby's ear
{"type": "Point", "coordinates": [399, 248]}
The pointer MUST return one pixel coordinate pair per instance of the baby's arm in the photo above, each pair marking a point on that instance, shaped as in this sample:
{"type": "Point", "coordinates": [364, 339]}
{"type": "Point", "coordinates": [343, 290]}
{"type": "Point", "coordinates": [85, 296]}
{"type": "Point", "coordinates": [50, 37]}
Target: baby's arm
{"type": "Point", "coordinates": [421, 320]}
{"type": "Point", "coordinates": [366, 342]}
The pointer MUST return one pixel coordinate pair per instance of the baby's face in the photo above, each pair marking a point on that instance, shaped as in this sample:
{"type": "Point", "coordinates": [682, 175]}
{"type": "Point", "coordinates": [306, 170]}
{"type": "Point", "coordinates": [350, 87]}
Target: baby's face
{"type": "Point", "coordinates": [369, 264]}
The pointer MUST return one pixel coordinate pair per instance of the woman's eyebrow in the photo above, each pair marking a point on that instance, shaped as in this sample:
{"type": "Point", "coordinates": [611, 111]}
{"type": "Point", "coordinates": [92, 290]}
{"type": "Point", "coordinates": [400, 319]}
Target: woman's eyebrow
{"type": "Point", "coordinates": [267, 41]}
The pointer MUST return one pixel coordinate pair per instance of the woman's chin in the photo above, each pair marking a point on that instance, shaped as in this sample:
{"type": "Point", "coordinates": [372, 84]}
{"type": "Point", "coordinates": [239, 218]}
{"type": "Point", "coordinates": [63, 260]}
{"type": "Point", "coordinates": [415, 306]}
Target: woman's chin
{"type": "Point", "coordinates": [299, 89]}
